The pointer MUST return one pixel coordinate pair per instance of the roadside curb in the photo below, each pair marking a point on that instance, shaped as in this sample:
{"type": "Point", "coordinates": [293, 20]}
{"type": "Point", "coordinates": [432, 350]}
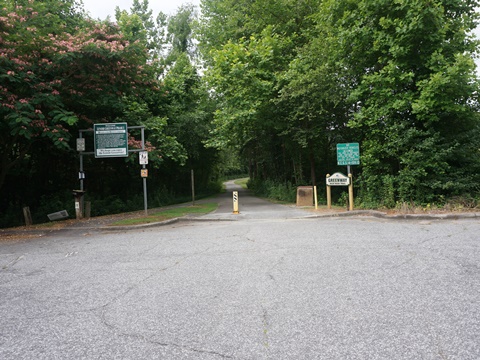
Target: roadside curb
{"type": "Point", "coordinates": [382, 215]}
{"type": "Point", "coordinates": [374, 213]}
{"type": "Point", "coordinates": [140, 226]}
{"type": "Point", "coordinates": [160, 223]}
{"type": "Point", "coordinates": [202, 218]}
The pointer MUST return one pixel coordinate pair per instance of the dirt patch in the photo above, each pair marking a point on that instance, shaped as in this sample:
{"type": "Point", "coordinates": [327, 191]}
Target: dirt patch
{"type": "Point", "coordinates": [19, 235]}
{"type": "Point", "coordinates": [393, 212]}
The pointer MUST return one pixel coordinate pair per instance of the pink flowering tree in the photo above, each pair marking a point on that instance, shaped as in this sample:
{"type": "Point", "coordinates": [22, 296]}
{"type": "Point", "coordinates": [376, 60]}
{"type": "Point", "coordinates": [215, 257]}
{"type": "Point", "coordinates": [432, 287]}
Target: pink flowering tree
{"type": "Point", "coordinates": [55, 78]}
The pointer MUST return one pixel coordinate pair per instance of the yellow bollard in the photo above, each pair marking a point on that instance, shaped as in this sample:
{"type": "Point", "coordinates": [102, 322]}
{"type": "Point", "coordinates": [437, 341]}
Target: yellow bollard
{"type": "Point", "coordinates": [235, 202]}
{"type": "Point", "coordinates": [350, 192]}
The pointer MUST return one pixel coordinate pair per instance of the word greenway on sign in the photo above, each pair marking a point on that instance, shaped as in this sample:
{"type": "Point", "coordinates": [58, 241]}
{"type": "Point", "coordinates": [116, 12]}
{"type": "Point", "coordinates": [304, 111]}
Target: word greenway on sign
{"type": "Point", "coordinates": [338, 179]}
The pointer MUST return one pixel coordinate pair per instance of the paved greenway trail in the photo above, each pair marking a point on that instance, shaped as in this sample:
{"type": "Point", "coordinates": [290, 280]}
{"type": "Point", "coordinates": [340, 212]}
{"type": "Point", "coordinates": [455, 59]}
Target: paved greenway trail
{"type": "Point", "coordinates": [269, 283]}
{"type": "Point", "coordinates": [251, 207]}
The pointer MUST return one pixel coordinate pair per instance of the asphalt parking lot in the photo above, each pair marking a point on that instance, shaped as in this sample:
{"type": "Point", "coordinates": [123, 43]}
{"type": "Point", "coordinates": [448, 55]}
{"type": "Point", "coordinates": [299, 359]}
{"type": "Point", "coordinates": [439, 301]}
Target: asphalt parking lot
{"type": "Point", "coordinates": [255, 286]}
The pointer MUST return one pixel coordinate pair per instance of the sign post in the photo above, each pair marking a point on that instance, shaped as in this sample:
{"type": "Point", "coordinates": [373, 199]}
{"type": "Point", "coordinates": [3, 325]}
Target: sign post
{"type": "Point", "coordinates": [329, 194]}
{"type": "Point", "coordinates": [349, 154]}
{"type": "Point", "coordinates": [337, 179]}
{"type": "Point", "coordinates": [111, 140]}
{"type": "Point", "coordinates": [143, 159]}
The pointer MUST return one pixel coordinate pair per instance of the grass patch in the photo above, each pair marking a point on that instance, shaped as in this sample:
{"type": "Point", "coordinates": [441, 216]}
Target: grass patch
{"type": "Point", "coordinates": [168, 214]}
{"type": "Point", "coordinates": [242, 182]}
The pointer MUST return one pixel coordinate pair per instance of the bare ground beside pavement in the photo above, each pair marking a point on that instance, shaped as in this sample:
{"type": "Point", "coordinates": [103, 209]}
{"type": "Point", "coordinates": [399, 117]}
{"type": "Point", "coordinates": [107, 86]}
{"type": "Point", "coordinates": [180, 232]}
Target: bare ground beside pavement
{"type": "Point", "coordinates": [249, 204]}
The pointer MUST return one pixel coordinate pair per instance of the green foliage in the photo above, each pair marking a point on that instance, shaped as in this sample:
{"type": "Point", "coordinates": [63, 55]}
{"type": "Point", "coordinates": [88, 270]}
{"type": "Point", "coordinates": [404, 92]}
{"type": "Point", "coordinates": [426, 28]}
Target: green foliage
{"type": "Point", "coordinates": [113, 204]}
{"type": "Point", "coordinates": [417, 105]}
{"type": "Point", "coordinates": [273, 190]}
{"type": "Point", "coordinates": [244, 77]}
{"type": "Point", "coordinates": [282, 82]}
{"type": "Point", "coordinates": [180, 31]}
{"type": "Point", "coordinates": [343, 199]}
{"type": "Point", "coordinates": [398, 77]}
{"type": "Point", "coordinates": [63, 72]}
{"type": "Point", "coordinates": [53, 203]}
{"type": "Point", "coordinates": [56, 76]}
{"type": "Point", "coordinates": [388, 190]}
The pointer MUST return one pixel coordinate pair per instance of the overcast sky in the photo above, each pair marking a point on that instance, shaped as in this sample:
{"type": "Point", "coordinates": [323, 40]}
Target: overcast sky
{"type": "Point", "coordinates": [102, 8]}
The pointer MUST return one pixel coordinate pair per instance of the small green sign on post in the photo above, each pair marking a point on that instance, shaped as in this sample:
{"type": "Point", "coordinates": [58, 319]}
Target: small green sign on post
{"type": "Point", "coordinates": [348, 154]}
{"type": "Point", "coordinates": [111, 140]}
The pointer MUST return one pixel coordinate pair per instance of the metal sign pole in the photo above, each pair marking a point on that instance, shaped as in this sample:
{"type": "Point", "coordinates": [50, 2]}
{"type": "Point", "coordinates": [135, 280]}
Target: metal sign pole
{"type": "Point", "coordinates": [350, 192]}
{"type": "Point", "coordinates": [145, 204]}
{"type": "Point", "coordinates": [118, 134]}
{"type": "Point", "coordinates": [81, 165]}
{"type": "Point", "coordinates": [81, 175]}
{"type": "Point", "coordinates": [349, 154]}
{"type": "Point", "coordinates": [82, 202]}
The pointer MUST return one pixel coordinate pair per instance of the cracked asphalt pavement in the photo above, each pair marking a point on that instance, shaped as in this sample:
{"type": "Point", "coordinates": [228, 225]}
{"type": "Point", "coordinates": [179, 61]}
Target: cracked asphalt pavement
{"type": "Point", "coordinates": [271, 283]}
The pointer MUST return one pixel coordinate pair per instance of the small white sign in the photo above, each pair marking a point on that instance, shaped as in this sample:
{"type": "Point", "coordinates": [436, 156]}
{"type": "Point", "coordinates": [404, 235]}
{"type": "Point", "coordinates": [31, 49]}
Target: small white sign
{"type": "Point", "coordinates": [338, 179]}
{"type": "Point", "coordinates": [143, 157]}
{"type": "Point", "coordinates": [80, 144]}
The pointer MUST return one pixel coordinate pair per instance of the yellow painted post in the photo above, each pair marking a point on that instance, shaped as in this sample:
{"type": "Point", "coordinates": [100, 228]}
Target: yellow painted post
{"type": "Point", "coordinates": [350, 192]}
{"type": "Point", "coordinates": [315, 196]}
{"type": "Point", "coordinates": [329, 195]}
{"type": "Point", "coordinates": [235, 202]}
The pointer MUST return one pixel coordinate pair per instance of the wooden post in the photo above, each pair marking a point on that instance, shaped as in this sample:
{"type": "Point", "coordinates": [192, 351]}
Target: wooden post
{"type": "Point", "coordinates": [315, 196]}
{"type": "Point", "coordinates": [329, 195]}
{"type": "Point", "coordinates": [28, 216]}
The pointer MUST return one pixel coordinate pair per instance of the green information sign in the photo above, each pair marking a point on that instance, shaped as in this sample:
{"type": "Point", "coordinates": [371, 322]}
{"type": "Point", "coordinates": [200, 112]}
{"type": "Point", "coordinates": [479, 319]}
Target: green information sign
{"type": "Point", "coordinates": [348, 154]}
{"type": "Point", "coordinates": [111, 140]}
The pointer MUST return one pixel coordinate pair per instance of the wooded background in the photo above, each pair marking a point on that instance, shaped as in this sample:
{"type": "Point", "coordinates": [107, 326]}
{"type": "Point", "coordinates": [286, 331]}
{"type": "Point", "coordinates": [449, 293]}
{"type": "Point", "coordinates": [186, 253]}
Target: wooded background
{"type": "Point", "coordinates": [267, 87]}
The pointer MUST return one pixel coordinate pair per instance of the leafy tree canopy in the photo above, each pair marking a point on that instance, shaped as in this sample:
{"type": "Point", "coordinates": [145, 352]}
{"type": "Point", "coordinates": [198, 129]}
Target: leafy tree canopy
{"type": "Point", "coordinates": [54, 76]}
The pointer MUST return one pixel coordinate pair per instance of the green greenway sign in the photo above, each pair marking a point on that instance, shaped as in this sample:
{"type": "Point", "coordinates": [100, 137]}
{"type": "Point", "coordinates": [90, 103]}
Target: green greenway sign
{"type": "Point", "coordinates": [348, 154]}
{"type": "Point", "coordinates": [111, 140]}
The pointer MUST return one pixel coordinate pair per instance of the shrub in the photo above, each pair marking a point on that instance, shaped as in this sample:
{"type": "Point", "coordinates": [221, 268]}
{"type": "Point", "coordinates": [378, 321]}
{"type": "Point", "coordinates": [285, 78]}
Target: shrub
{"type": "Point", "coordinates": [273, 190]}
